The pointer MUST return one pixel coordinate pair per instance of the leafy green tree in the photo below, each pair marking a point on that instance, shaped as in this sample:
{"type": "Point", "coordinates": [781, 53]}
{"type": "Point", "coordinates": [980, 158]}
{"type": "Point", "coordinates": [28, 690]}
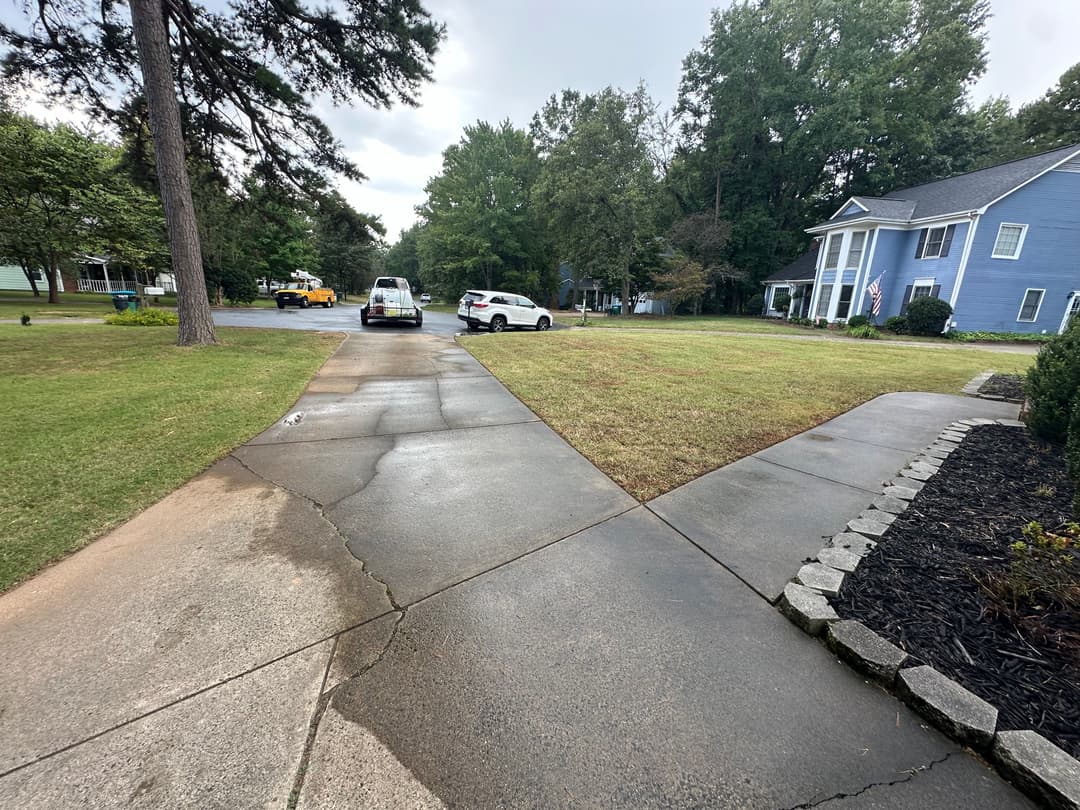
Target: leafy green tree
{"type": "Point", "coordinates": [480, 227]}
{"type": "Point", "coordinates": [403, 258]}
{"type": "Point", "coordinates": [789, 106]}
{"type": "Point", "coordinates": [1053, 121]}
{"type": "Point", "coordinates": [345, 240]}
{"type": "Point", "coordinates": [685, 281]}
{"type": "Point", "coordinates": [597, 189]}
{"type": "Point", "coordinates": [238, 75]}
{"type": "Point", "coordinates": [63, 193]}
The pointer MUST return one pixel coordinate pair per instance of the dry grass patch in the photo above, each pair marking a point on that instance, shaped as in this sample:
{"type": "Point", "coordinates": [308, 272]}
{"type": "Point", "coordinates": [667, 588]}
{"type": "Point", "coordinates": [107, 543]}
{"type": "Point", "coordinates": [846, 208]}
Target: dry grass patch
{"type": "Point", "coordinates": [657, 409]}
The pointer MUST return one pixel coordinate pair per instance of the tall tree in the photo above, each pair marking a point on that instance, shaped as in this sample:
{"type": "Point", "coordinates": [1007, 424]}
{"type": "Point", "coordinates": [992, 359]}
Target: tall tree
{"type": "Point", "coordinates": [62, 193]}
{"type": "Point", "coordinates": [403, 257]}
{"type": "Point", "coordinates": [790, 105]}
{"type": "Point", "coordinates": [480, 226]}
{"type": "Point", "coordinates": [241, 77]}
{"type": "Point", "coordinates": [345, 239]}
{"type": "Point", "coordinates": [597, 188]}
{"type": "Point", "coordinates": [1053, 121]}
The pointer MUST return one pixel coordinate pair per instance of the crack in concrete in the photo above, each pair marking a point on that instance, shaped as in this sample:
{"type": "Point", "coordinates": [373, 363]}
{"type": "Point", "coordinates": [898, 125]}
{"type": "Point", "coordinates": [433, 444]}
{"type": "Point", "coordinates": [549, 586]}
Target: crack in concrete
{"type": "Point", "coordinates": [321, 511]}
{"type": "Point", "coordinates": [395, 434]}
{"type": "Point", "coordinates": [325, 696]}
{"type": "Point", "coordinates": [442, 405]}
{"type": "Point", "coordinates": [911, 773]}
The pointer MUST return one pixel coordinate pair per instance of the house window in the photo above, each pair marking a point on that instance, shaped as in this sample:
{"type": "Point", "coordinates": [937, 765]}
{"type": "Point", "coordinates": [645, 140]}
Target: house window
{"type": "Point", "coordinates": [1029, 308]}
{"type": "Point", "coordinates": [823, 301]}
{"type": "Point", "coordinates": [934, 243]}
{"type": "Point", "coordinates": [1010, 239]}
{"type": "Point", "coordinates": [855, 251]}
{"type": "Point", "coordinates": [843, 306]}
{"type": "Point", "coordinates": [778, 292]}
{"type": "Point", "coordinates": [832, 255]}
{"type": "Point", "coordinates": [922, 288]}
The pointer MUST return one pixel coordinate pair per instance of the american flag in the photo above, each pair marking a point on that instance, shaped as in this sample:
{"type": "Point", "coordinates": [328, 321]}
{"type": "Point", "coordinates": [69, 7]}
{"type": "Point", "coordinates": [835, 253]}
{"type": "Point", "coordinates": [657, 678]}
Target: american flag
{"type": "Point", "coordinates": [875, 294]}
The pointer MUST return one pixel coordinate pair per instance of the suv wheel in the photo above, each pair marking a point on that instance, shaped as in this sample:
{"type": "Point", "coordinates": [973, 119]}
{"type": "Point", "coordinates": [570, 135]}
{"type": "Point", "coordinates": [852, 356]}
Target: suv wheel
{"type": "Point", "coordinates": [498, 323]}
{"type": "Point", "coordinates": [543, 325]}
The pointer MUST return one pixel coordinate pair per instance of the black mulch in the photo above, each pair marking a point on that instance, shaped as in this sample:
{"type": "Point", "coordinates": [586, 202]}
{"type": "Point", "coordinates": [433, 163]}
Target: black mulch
{"type": "Point", "coordinates": [1006, 386]}
{"type": "Point", "coordinates": [918, 588]}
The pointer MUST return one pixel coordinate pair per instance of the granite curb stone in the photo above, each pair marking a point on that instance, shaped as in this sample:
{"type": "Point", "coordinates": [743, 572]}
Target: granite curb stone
{"type": "Point", "coordinates": [900, 492]}
{"type": "Point", "coordinates": [870, 528]}
{"type": "Point", "coordinates": [910, 483]}
{"type": "Point", "coordinates": [961, 714]}
{"type": "Point", "coordinates": [1036, 765]}
{"type": "Point", "coordinates": [839, 558]}
{"type": "Point", "coordinates": [887, 503]}
{"type": "Point", "coordinates": [877, 516]}
{"type": "Point", "coordinates": [855, 543]}
{"type": "Point", "coordinates": [865, 650]}
{"type": "Point", "coordinates": [819, 577]}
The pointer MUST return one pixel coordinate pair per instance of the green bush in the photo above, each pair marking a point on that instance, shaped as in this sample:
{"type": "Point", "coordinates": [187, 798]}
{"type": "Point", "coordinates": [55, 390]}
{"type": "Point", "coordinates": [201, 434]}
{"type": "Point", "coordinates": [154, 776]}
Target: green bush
{"type": "Point", "coordinates": [1072, 454]}
{"type": "Point", "coordinates": [821, 323]}
{"type": "Point", "coordinates": [857, 320]}
{"type": "Point", "coordinates": [1000, 337]}
{"type": "Point", "coordinates": [756, 304]}
{"type": "Point", "coordinates": [897, 324]}
{"type": "Point", "coordinates": [801, 321]}
{"type": "Point", "coordinates": [928, 315]}
{"type": "Point", "coordinates": [1052, 385]}
{"type": "Point", "coordinates": [866, 332]}
{"type": "Point", "coordinates": [143, 317]}
{"type": "Point", "coordinates": [782, 302]}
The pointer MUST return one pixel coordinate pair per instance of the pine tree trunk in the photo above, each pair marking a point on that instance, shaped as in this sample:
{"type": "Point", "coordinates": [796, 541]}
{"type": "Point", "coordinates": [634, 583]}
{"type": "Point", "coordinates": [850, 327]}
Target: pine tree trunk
{"type": "Point", "coordinates": [625, 310]}
{"type": "Point", "coordinates": [152, 41]}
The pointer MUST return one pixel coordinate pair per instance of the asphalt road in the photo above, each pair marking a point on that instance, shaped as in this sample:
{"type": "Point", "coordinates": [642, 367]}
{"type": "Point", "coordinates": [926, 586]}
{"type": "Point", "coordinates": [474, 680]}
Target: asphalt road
{"type": "Point", "coordinates": [343, 317]}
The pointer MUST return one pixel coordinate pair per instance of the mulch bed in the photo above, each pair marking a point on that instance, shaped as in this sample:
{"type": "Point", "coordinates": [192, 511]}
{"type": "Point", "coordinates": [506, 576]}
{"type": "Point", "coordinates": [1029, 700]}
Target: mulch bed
{"type": "Point", "coordinates": [1006, 386]}
{"type": "Point", "coordinates": [920, 588]}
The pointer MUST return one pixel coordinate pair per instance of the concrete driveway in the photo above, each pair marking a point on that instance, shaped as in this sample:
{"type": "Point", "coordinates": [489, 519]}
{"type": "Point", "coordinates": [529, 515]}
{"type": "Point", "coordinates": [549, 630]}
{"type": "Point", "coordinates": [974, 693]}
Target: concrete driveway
{"type": "Point", "coordinates": [417, 595]}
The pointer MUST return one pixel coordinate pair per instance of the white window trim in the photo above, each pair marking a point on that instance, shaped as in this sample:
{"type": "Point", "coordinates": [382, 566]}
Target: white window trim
{"type": "Point", "coordinates": [840, 237]}
{"type": "Point", "coordinates": [776, 291]}
{"type": "Point", "coordinates": [1068, 305]}
{"type": "Point", "coordinates": [944, 232]}
{"type": "Point", "coordinates": [1037, 308]}
{"type": "Point", "coordinates": [1019, 245]}
{"type": "Point", "coordinates": [923, 282]}
{"type": "Point", "coordinates": [862, 252]}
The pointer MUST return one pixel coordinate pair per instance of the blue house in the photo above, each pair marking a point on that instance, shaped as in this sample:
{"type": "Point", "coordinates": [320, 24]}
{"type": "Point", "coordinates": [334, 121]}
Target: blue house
{"type": "Point", "coordinates": [1001, 245]}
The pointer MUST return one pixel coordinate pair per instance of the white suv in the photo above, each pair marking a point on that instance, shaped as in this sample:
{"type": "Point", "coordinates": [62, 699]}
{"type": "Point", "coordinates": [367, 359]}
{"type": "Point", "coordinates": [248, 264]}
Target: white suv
{"type": "Point", "coordinates": [500, 310]}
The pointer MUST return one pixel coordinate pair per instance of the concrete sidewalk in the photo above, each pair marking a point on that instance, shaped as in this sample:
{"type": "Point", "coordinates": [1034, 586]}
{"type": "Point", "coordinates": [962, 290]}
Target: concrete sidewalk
{"type": "Point", "coordinates": [418, 595]}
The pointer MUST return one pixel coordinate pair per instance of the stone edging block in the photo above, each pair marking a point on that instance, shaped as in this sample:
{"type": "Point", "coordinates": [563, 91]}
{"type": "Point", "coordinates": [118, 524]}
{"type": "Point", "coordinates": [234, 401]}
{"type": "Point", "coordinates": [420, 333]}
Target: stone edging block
{"type": "Point", "coordinates": [1040, 768]}
{"type": "Point", "coordinates": [807, 608]}
{"type": "Point", "coordinates": [865, 650]}
{"type": "Point", "coordinates": [962, 715]}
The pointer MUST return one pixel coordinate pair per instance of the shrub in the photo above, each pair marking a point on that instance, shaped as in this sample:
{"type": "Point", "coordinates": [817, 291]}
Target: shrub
{"type": "Point", "coordinates": [1072, 454]}
{"type": "Point", "coordinates": [801, 321]}
{"type": "Point", "coordinates": [866, 332]}
{"type": "Point", "coordinates": [897, 324]}
{"type": "Point", "coordinates": [782, 302]}
{"type": "Point", "coordinates": [928, 315]}
{"type": "Point", "coordinates": [24, 319]}
{"type": "Point", "coordinates": [143, 317]}
{"type": "Point", "coordinates": [1000, 337]}
{"type": "Point", "coordinates": [857, 320]}
{"type": "Point", "coordinates": [756, 304]}
{"type": "Point", "coordinates": [1052, 385]}
{"type": "Point", "coordinates": [821, 323]}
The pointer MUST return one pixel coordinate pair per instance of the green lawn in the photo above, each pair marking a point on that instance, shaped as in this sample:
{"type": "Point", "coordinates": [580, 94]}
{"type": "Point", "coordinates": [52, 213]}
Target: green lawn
{"type": "Point", "coordinates": [690, 323]}
{"type": "Point", "coordinates": [13, 303]}
{"type": "Point", "coordinates": [655, 409]}
{"type": "Point", "coordinates": [100, 422]}
{"type": "Point", "coordinates": [433, 307]}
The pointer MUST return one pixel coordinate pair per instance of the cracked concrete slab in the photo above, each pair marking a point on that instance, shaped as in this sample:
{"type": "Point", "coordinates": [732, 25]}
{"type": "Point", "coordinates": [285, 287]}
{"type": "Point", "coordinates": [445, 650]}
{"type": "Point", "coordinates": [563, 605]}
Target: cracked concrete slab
{"type": "Point", "coordinates": [445, 506]}
{"type": "Point", "coordinates": [234, 746]}
{"type": "Point", "coordinates": [732, 513]}
{"type": "Point", "coordinates": [614, 668]}
{"type": "Point", "coordinates": [225, 574]}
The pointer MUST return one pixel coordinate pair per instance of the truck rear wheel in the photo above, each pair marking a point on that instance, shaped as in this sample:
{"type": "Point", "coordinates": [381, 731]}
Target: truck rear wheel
{"type": "Point", "coordinates": [363, 316]}
{"type": "Point", "coordinates": [281, 305]}
{"type": "Point", "coordinates": [326, 305]}
{"type": "Point", "coordinates": [304, 303]}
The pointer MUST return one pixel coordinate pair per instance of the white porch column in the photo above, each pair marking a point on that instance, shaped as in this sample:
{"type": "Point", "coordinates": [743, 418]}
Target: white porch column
{"type": "Point", "coordinates": [838, 283]}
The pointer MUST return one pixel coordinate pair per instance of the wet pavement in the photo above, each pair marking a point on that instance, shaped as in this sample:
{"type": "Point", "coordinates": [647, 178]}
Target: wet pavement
{"type": "Point", "coordinates": [415, 594]}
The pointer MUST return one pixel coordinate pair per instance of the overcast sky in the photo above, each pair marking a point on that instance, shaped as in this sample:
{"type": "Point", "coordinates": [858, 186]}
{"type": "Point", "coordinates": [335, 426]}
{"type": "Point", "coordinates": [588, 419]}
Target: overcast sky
{"type": "Point", "coordinates": [504, 58]}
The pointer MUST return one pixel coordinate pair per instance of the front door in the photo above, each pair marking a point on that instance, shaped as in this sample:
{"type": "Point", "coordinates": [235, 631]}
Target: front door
{"type": "Point", "coordinates": [1071, 308]}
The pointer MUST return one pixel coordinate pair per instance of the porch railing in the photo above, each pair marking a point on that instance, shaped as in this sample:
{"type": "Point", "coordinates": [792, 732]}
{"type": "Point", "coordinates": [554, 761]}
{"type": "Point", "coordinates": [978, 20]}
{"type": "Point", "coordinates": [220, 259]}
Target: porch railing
{"type": "Point", "coordinates": [101, 286]}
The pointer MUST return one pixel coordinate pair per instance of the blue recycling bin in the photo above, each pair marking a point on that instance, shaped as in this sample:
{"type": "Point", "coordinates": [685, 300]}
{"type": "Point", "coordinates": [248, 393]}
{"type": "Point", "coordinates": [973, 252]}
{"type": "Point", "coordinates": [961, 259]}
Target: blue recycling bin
{"type": "Point", "coordinates": [125, 300]}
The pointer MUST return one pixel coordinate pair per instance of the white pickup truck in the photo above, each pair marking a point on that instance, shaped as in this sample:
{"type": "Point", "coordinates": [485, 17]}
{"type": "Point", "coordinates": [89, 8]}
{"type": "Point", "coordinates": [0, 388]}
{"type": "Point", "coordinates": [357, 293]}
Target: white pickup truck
{"type": "Point", "coordinates": [390, 299]}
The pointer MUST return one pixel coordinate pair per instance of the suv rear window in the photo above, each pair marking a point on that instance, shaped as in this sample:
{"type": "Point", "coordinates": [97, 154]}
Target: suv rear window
{"type": "Point", "coordinates": [472, 296]}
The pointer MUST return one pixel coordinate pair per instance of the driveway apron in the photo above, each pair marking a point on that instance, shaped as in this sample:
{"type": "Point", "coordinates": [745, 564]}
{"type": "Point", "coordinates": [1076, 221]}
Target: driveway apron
{"type": "Point", "coordinates": [412, 593]}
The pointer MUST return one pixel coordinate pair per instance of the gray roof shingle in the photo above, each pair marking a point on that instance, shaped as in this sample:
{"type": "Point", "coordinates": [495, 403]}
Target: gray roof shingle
{"type": "Point", "coordinates": [803, 268]}
{"type": "Point", "coordinates": [959, 194]}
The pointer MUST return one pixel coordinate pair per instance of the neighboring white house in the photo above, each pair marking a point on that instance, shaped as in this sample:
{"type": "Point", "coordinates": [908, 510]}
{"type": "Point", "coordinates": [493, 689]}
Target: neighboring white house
{"type": "Point", "coordinates": [13, 278]}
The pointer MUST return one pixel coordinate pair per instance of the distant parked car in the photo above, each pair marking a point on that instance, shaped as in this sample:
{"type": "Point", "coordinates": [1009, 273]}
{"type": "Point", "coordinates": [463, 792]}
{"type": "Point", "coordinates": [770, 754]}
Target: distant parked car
{"type": "Point", "coordinates": [425, 298]}
{"type": "Point", "coordinates": [497, 311]}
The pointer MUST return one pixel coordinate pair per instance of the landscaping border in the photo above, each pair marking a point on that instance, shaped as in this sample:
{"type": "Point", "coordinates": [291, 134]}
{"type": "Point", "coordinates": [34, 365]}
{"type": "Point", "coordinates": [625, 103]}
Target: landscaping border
{"type": "Point", "coordinates": [1027, 759]}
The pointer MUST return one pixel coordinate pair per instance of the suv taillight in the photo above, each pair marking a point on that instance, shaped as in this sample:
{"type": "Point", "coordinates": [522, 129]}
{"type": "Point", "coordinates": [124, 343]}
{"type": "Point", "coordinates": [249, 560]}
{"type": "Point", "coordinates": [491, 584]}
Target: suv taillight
{"type": "Point", "coordinates": [479, 304]}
